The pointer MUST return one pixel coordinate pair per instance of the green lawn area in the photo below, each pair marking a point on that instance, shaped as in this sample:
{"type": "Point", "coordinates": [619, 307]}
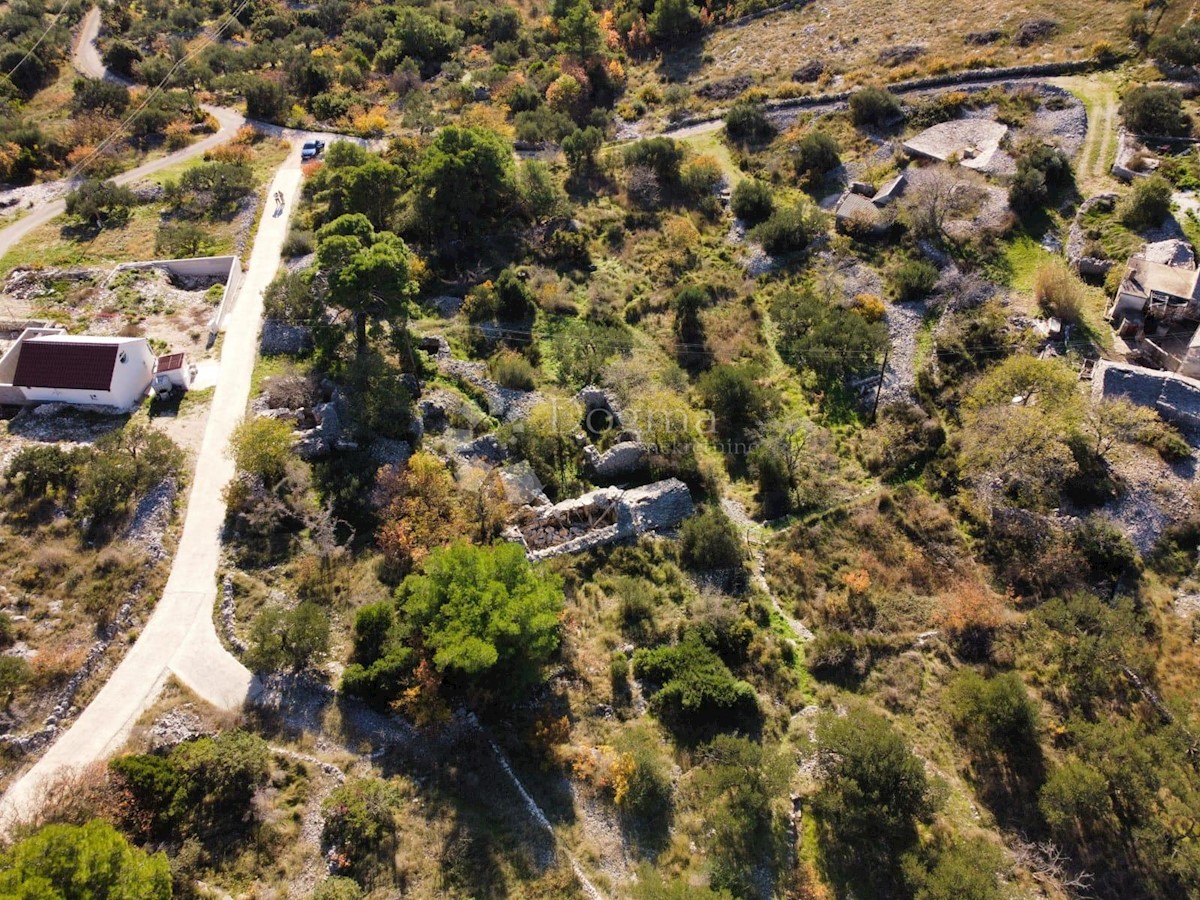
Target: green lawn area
{"type": "Point", "coordinates": [712, 144]}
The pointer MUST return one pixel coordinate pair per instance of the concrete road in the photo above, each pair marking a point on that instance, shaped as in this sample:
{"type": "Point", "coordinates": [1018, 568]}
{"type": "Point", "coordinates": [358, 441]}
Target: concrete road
{"type": "Point", "coordinates": [180, 636]}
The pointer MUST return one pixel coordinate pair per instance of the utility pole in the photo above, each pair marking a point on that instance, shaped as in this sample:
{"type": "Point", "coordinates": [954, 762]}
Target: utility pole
{"type": "Point", "coordinates": [879, 387]}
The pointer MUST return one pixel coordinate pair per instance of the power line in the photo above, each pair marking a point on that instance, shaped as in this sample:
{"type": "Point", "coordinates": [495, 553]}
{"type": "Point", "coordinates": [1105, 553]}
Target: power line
{"type": "Point", "coordinates": [205, 42]}
{"type": "Point", "coordinates": [529, 335]}
{"type": "Point", "coordinates": [54, 21]}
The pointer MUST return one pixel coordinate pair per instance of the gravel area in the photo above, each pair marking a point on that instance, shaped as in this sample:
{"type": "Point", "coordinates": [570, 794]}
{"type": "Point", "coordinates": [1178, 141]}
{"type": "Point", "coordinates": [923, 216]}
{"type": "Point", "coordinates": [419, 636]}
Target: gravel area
{"type": "Point", "coordinates": [904, 325]}
{"type": "Point", "coordinates": [1157, 494]}
{"type": "Point", "coordinates": [151, 518]}
{"type": "Point", "coordinates": [1067, 126]}
{"type": "Point", "coordinates": [17, 199]}
{"type": "Point", "coordinates": [755, 260]}
{"type": "Point", "coordinates": [504, 403]}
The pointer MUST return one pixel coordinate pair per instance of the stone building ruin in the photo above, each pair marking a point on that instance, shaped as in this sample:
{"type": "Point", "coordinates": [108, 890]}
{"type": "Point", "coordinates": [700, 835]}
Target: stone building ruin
{"type": "Point", "coordinates": [600, 517]}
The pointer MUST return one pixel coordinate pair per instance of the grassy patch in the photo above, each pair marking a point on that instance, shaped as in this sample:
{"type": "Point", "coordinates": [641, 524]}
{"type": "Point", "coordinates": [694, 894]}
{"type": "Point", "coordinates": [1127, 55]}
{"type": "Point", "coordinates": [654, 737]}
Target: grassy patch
{"type": "Point", "coordinates": [849, 35]}
{"type": "Point", "coordinates": [710, 143]}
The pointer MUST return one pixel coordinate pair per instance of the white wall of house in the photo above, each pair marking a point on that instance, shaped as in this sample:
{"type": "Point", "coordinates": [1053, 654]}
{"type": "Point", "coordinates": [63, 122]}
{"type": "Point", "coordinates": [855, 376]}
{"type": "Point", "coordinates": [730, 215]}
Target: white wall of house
{"type": "Point", "coordinates": [130, 381]}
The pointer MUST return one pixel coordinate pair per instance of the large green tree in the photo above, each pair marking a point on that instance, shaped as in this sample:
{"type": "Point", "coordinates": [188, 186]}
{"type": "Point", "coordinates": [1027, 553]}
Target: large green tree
{"type": "Point", "coordinates": [466, 180]}
{"type": "Point", "coordinates": [873, 792]}
{"type": "Point", "coordinates": [369, 272]}
{"type": "Point", "coordinates": [86, 862]}
{"type": "Point", "coordinates": [485, 613]}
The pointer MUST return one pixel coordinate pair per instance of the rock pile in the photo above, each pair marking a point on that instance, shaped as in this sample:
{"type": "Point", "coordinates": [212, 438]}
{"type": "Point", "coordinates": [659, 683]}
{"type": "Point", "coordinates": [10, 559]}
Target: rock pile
{"type": "Point", "coordinates": [1077, 239]}
{"type": "Point", "coordinates": [622, 461]}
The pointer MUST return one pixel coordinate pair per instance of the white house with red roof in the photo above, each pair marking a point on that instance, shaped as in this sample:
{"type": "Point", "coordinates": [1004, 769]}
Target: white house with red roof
{"type": "Point", "coordinates": [49, 366]}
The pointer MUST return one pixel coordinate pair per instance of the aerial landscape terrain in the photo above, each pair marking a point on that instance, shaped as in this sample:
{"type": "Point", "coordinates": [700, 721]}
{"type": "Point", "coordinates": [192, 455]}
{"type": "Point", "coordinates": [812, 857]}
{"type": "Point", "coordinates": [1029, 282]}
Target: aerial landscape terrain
{"type": "Point", "coordinates": [641, 449]}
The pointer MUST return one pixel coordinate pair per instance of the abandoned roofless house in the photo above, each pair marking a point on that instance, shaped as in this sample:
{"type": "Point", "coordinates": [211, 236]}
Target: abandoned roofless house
{"type": "Point", "coordinates": [1157, 308]}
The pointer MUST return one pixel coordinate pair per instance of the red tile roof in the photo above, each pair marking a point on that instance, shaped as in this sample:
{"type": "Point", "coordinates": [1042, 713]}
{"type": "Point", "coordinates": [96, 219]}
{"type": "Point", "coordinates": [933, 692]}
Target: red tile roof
{"type": "Point", "coordinates": [68, 365]}
{"type": "Point", "coordinates": [168, 363]}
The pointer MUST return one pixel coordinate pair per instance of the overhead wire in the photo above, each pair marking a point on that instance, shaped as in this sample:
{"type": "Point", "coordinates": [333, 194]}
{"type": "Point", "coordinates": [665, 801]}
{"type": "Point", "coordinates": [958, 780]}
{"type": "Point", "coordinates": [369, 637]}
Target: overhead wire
{"type": "Point", "coordinates": [28, 53]}
{"type": "Point", "coordinates": [206, 41]}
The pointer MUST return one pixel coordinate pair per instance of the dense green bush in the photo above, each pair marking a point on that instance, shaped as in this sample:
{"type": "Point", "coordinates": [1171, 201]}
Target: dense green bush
{"type": "Point", "coordinates": [337, 887]}
{"type": "Point", "coordinates": [98, 95]}
{"type": "Point", "coordinates": [752, 201]}
{"type": "Point", "coordinates": [508, 299]}
{"type": "Point", "coordinates": [816, 155]}
{"type": "Point", "coordinates": [262, 447]}
{"type": "Point", "coordinates": [873, 106]}
{"type": "Point", "coordinates": [265, 99]}
{"type": "Point", "coordinates": [298, 243]}
{"type": "Point", "coordinates": [695, 695]}
{"type": "Point", "coordinates": [512, 370]}
{"type": "Point", "coordinates": [359, 820]}
{"type": "Point", "coordinates": [992, 714]}
{"type": "Point", "coordinates": [673, 20]}
{"type": "Point", "coordinates": [465, 183]}
{"type": "Point", "coordinates": [747, 123]}
{"type": "Point", "coordinates": [913, 279]}
{"type": "Point", "coordinates": [709, 540]}
{"type": "Point", "coordinates": [873, 793]}
{"type": "Point", "coordinates": [1041, 170]}
{"type": "Point", "coordinates": [294, 638]}
{"type": "Point", "coordinates": [96, 485]}
{"type": "Point", "coordinates": [1147, 205]}
{"type": "Point", "coordinates": [739, 785]}
{"type": "Point", "coordinates": [962, 870]}
{"type": "Point", "coordinates": [70, 862]}
{"type": "Point", "coordinates": [1154, 109]}
{"type": "Point", "coordinates": [790, 229]}
{"type": "Point", "coordinates": [202, 787]}
{"type": "Point", "coordinates": [1180, 46]}
{"type": "Point", "coordinates": [736, 399]}
{"type": "Point", "coordinates": [826, 338]}
{"type": "Point", "coordinates": [660, 155]}
{"type": "Point", "coordinates": [584, 348]}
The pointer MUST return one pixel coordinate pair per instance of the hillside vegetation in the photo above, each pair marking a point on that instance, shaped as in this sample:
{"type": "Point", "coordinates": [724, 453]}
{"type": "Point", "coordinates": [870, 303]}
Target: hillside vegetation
{"type": "Point", "coordinates": [929, 628]}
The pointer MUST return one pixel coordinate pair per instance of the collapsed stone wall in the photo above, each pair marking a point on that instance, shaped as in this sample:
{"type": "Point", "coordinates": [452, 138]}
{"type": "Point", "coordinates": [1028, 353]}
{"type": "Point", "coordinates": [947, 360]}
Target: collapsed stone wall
{"type": "Point", "coordinates": [600, 517]}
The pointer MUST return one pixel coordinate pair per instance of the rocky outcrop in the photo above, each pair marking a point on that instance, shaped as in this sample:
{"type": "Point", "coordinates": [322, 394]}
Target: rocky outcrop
{"type": "Point", "coordinates": [621, 461]}
{"type": "Point", "coordinates": [486, 449]}
{"type": "Point", "coordinates": [1174, 397]}
{"type": "Point", "coordinates": [1128, 148]}
{"type": "Point", "coordinates": [504, 403]}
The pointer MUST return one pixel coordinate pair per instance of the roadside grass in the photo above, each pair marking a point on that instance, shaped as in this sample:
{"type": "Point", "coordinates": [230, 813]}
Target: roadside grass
{"type": "Point", "coordinates": [52, 245]}
{"type": "Point", "coordinates": [1098, 93]}
{"type": "Point", "coordinates": [711, 143]}
{"type": "Point", "coordinates": [270, 366]}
